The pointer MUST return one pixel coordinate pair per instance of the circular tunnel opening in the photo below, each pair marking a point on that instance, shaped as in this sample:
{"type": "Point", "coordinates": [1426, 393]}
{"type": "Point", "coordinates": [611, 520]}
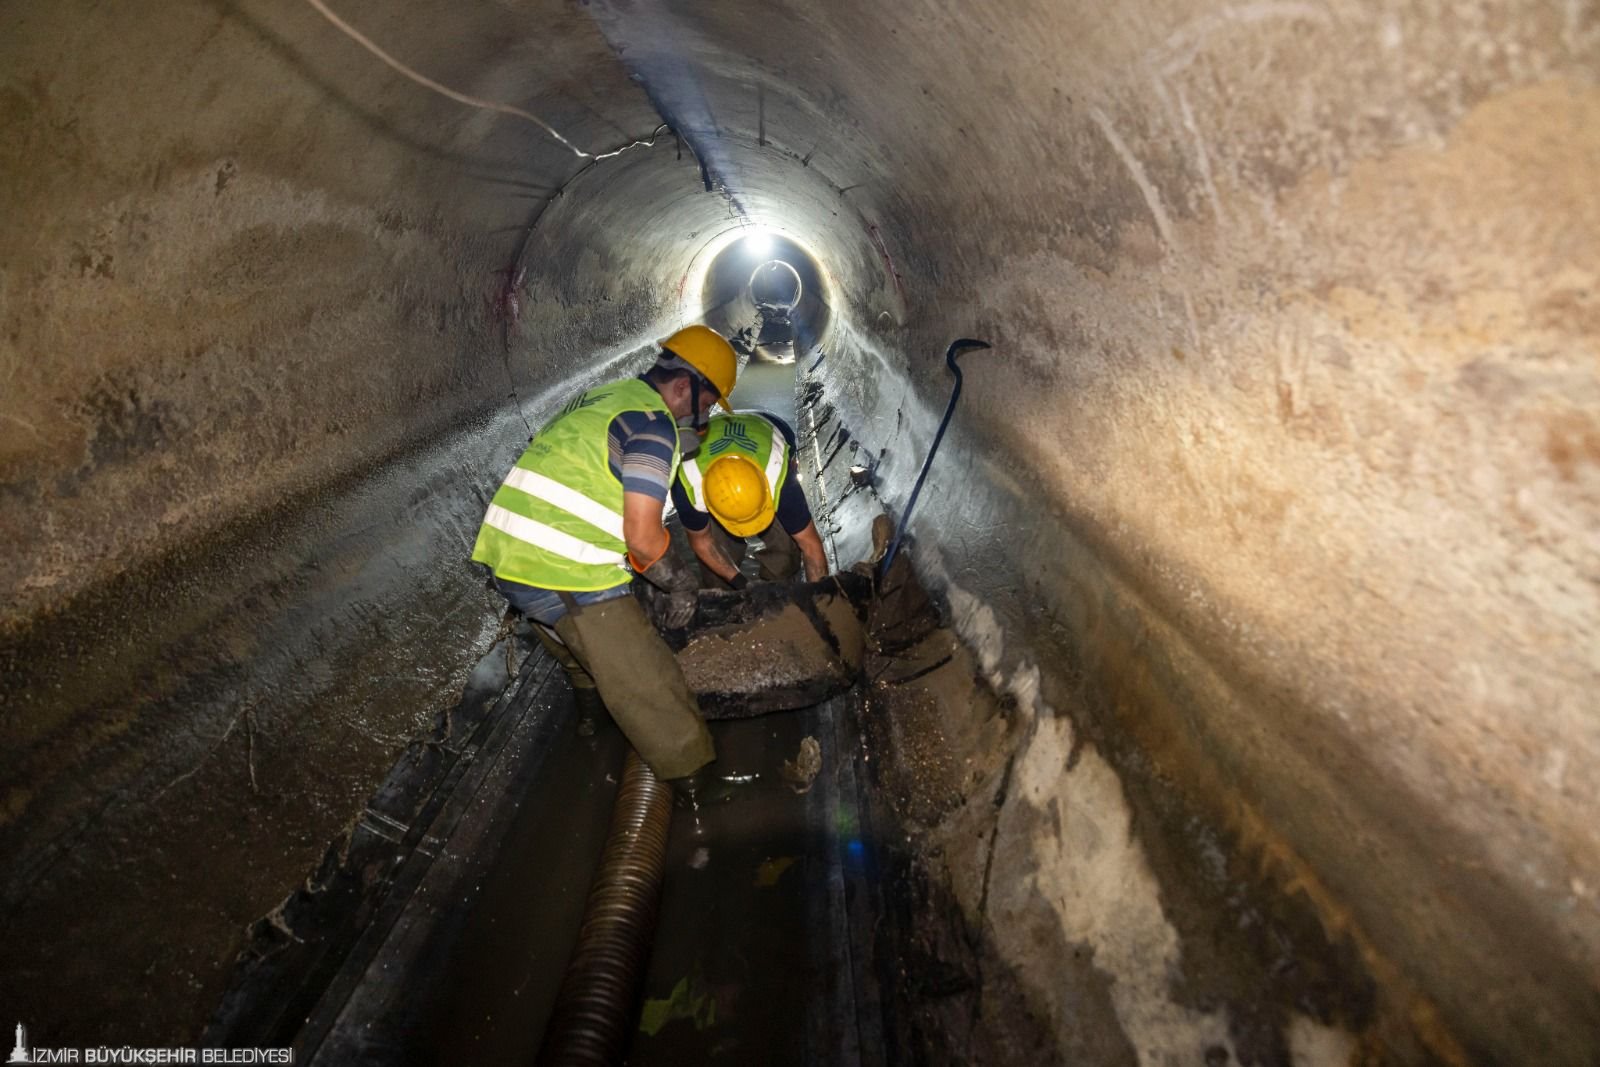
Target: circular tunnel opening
{"type": "Point", "coordinates": [776, 287]}
{"type": "Point", "coordinates": [768, 296]}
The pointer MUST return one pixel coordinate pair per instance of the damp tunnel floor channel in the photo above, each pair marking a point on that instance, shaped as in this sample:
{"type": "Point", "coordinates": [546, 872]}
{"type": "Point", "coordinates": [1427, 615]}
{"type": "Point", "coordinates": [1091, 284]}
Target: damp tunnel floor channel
{"type": "Point", "coordinates": [751, 958]}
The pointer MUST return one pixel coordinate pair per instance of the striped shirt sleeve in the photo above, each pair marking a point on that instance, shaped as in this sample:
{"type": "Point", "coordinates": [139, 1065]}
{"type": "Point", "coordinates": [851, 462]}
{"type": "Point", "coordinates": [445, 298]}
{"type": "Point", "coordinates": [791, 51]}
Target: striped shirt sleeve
{"type": "Point", "coordinates": [641, 446]}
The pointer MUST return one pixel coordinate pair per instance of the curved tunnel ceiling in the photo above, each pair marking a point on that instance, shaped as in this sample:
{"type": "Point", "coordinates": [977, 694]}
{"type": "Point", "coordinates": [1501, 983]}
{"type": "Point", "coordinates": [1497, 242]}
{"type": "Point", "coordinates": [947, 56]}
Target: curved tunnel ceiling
{"type": "Point", "coordinates": [1291, 416]}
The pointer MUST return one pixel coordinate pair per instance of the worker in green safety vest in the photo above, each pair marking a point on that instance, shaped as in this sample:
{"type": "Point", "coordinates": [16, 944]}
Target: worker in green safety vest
{"type": "Point", "coordinates": [580, 514]}
{"type": "Point", "coordinates": [741, 484]}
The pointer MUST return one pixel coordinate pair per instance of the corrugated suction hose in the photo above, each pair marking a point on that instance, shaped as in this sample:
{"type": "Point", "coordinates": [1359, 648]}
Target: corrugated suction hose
{"type": "Point", "coordinates": [594, 1014]}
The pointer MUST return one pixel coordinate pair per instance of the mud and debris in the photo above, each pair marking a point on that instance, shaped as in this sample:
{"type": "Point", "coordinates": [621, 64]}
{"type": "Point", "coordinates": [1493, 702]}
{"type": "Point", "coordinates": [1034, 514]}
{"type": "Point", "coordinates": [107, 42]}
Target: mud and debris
{"type": "Point", "coordinates": [775, 646]}
{"type": "Point", "coordinates": [801, 772]}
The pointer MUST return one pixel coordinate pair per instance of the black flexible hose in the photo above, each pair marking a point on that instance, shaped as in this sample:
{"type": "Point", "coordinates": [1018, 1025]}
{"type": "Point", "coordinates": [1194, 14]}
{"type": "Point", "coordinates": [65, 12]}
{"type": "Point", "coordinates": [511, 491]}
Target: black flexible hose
{"type": "Point", "coordinates": [958, 346]}
{"type": "Point", "coordinates": [594, 1014]}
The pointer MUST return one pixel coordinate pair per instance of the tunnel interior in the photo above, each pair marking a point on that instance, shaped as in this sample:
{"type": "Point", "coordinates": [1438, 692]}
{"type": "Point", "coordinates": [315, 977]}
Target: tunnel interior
{"type": "Point", "coordinates": [1234, 701]}
{"type": "Point", "coordinates": [766, 294]}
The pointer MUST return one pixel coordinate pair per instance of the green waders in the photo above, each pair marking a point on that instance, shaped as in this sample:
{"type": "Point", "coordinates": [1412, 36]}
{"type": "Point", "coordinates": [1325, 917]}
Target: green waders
{"type": "Point", "coordinates": [617, 651]}
{"type": "Point", "coordinates": [779, 556]}
{"type": "Point", "coordinates": [592, 711]}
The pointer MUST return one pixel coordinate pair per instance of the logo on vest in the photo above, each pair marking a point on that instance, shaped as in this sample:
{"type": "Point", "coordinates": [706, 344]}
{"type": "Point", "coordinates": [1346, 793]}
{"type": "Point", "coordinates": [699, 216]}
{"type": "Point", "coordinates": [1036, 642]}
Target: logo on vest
{"type": "Point", "coordinates": [583, 401]}
{"type": "Point", "coordinates": [734, 435]}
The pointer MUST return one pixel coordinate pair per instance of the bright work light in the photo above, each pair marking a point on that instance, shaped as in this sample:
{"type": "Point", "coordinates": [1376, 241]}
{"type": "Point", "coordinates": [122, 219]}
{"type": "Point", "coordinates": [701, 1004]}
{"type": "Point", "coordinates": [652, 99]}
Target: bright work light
{"type": "Point", "coordinates": [758, 245]}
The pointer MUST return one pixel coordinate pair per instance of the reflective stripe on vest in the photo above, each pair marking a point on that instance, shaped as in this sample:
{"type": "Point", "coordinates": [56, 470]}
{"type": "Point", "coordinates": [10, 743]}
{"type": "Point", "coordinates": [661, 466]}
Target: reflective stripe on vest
{"type": "Point", "coordinates": [737, 430]}
{"type": "Point", "coordinates": [694, 482]}
{"type": "Point", "coordinates": [547, 537]}
{"type": "Point", "coordinates": [556, 520]}
{"type": "Point", "coordinates": [570, 500]}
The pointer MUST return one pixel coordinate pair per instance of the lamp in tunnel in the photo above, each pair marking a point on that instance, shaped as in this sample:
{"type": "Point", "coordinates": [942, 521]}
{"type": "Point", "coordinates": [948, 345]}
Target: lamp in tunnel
{"type": "Point", "coordinates": [758, 245]}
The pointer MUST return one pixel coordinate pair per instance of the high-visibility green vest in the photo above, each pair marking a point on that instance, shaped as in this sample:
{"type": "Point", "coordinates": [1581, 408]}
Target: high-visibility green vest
{"type": "Point", "coordinates": [556, 521]}
{"type": "Point", "coordinates": [743, 433]}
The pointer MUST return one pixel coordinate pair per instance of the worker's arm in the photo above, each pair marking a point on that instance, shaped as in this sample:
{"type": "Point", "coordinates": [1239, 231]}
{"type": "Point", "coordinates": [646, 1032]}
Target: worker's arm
{"type": "Point", "coordinates": [648, 544]}
{"type": "Point", "coordinates": [794, 511]}
{"type": "Point", "coordinates": [708, 548]}
{"type": "Point", "coordinates": [641, 528]}
{"type": "Point", "coordinates": [649, 443]}
{"type": "Point", "coordinates": [815, 559]}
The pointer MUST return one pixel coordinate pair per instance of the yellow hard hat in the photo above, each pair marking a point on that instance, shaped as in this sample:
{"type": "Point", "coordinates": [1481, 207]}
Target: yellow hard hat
{"type": "Point", "coordinates": [708, 352]}
{"type": "Point", "coordinates": [738, 497]}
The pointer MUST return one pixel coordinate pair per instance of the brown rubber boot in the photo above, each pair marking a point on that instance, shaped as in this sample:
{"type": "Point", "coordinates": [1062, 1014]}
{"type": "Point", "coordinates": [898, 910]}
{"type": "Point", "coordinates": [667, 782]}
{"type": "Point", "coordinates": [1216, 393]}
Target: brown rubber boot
{"type": "Point", "coordinates": [686, 790]}
{"type": "Point", "coordinates": [702, 789]}
{"type": "Point", "coordinates": [592, 713]}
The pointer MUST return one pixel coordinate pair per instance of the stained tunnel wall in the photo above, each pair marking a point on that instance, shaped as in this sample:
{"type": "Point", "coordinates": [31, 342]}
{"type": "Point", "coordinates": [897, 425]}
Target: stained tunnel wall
{"type": "Point", "coordinates": [1289, 430]}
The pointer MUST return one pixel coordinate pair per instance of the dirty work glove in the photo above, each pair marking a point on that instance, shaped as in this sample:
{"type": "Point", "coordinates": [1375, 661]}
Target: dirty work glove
{"type": "Point", "coordinates": [676, 580]}
{"type": "Point", "coordinates": [680, 608]}
{"type": "Point", "coordinates": [738, 582]}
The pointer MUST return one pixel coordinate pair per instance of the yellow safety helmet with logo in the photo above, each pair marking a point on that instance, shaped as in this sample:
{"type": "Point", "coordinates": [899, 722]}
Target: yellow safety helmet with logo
{"type": "Point", "coordinates": [737, 495]}
{"type": "Point", "coordinates": [709, 353]}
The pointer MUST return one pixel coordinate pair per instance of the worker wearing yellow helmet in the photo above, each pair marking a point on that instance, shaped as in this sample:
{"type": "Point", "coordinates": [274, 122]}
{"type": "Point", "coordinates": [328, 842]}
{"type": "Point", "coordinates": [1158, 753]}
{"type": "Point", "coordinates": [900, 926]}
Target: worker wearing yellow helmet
{"type": "Point", "coordinates": [741, 484]}
{"type": "Point", "coordinates": [580, 515]}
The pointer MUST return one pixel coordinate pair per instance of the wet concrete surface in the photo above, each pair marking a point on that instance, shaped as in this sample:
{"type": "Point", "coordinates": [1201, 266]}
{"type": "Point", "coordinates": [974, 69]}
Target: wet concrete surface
{"type": "Point", "coordinates": [497, 984]}
{"type": "Point", "coordinates": [303, 965]}
{"type": "Point", "coordinates": [227, 710]}
{"type": "Point", "coordinates": [1053, 897]}
{"type": "Point", "coordinates": [746, 965]}
{"type": "Point", "coordinates": [491, 946]}
{"type": "Point", "coordinates": [731, 298]}
{"type": "Point", "coordinates": [736, 928]}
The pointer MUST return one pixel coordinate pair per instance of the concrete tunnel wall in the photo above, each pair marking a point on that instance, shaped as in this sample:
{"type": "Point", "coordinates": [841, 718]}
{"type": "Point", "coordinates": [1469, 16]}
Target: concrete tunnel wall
{"type": "Point", "coordinates": [1289, 433]}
